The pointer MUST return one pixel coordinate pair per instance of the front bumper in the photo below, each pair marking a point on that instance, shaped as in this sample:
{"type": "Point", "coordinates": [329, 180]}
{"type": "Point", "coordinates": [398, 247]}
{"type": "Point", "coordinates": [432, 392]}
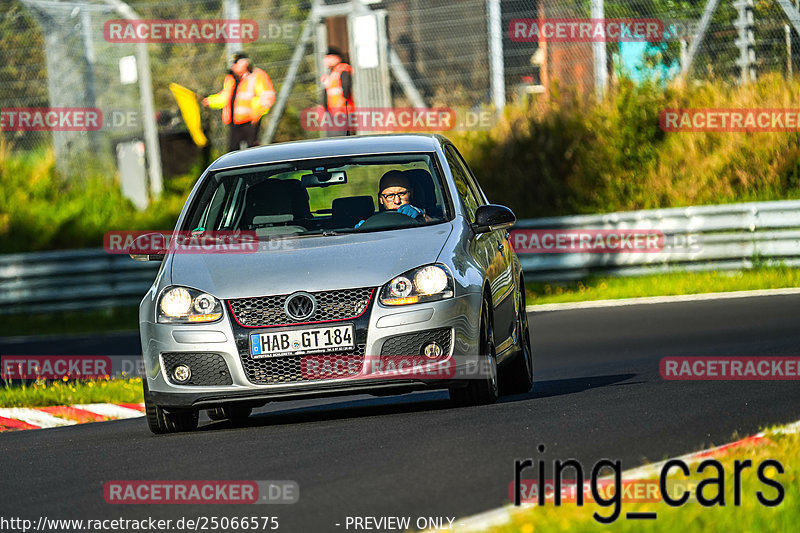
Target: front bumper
{"type": "Point", "coordinates": [240, 383]}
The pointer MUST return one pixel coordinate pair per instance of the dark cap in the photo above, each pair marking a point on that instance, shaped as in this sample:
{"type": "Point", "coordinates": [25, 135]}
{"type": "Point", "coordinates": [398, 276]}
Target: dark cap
{"type": "Point", "coordinates": [239, 55]}
{"type": "Point", "coordinates": [333, 51]}
{"type": "Point", "coordinates": [394, 178]}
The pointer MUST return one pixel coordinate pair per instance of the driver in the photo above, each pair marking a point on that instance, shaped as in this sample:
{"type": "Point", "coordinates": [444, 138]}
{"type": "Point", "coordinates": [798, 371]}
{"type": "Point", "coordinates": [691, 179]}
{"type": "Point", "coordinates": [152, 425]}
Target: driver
{"type": "Point", "coordinates": [396, 194]}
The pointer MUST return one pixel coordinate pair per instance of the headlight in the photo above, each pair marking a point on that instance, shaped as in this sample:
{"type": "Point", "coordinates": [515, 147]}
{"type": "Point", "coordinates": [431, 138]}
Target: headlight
{"type": "Point", "coordinates": [180, 305]}
{"type": "Point", "coordinates": [424, 284]}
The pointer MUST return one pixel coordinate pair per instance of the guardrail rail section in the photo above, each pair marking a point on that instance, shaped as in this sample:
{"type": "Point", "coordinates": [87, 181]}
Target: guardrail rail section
{"type": "Point", "coordinates": [717, 237]}
{"type": "Point", "coordinates": [713, 237]}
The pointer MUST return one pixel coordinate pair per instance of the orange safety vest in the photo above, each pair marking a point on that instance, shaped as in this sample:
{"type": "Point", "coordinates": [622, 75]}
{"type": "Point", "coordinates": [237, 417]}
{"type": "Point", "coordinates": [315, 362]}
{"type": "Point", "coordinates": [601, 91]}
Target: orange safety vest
{"type": "Point", "coordinates": [254, 97]}
{"type": "Point", "coordinates": [335, 94]}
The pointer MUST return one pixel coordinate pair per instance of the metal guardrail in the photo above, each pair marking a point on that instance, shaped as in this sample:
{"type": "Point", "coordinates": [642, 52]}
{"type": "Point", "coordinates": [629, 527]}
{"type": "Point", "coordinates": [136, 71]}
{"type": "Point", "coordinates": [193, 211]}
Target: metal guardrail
{"type": "Point", "coordinates": [716, 237]}
{"type": "Point", "coordinates": [729, 237]}
{"type": "Point", "coordinates": [71, 280]}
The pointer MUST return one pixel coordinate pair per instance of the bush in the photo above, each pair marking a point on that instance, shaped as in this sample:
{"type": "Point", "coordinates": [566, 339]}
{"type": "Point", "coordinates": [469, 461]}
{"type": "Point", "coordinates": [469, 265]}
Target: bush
{"type": "Point", "coordinates": [42, 211]}
{"type": "Point", "coordinates": [563, 156]}
{"type": "Point", "coordinates": [570, 155]}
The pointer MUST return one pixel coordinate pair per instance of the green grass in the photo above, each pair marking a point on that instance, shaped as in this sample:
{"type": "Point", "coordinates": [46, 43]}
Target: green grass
{"type": "Point", "coordinates": [69, 322]}
{"type": "Point", "coordinates": [43, 393]}
{"type": "Point", "coordinates": [751, 516]}
{"type": "Point", "coordinates": [609, 288]}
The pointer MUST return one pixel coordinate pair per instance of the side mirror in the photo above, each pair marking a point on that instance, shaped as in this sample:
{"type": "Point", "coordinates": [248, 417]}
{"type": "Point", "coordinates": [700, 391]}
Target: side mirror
{"type": "Point", "coordinates": [492, 217]}
{"type": "Point", "coordinates": [149, 247]}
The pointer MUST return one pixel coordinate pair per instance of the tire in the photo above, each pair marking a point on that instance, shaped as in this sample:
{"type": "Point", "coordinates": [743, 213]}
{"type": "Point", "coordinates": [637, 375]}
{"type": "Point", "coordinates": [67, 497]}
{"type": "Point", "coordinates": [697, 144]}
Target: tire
{"type": "Point", "coordinates": [481, 391]}
{"type": "Point", "coordinates": [517, 374]}
{"type": "Point", "coordinates": [160, 421]}
{"type": "Point", "coordinates": [230, 412]}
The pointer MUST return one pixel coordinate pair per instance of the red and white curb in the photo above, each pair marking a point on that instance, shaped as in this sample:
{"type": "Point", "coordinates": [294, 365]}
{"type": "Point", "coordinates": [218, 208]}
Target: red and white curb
{"type": "Point", "coordinates": [20, 418]}
{"type": "Point", "coordinates": [504, 515]}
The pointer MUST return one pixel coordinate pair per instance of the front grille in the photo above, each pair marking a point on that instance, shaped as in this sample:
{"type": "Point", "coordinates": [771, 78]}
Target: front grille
{"type": "Point", "coordinates": [262, 311]}
{"type": "Point", "coordinates": [411, 344]}
{"type": "Point", "coordinates": [300, 368]}
{"type": "Point", "coordinates": [207, 368]}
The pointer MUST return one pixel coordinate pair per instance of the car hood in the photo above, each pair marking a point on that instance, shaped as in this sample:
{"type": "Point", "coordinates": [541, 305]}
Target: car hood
{"type": "Point", "coordinates": [311, 263]}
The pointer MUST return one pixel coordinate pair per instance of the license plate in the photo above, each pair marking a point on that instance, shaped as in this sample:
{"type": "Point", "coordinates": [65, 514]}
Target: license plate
{"type": "Point", "coordinates": [301, 341]}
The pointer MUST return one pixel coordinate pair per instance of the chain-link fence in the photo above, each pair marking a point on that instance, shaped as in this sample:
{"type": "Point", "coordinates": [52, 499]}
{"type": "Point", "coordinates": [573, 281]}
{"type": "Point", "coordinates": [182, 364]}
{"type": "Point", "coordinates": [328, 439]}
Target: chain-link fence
{"type": "Point", "coordinates": [61, 54]}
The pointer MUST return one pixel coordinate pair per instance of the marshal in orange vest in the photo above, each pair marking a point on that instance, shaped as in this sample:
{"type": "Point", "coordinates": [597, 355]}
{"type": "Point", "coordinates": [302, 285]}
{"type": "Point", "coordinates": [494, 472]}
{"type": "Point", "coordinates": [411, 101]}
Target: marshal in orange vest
{"type": "Point", "coordinates": [255, 95]}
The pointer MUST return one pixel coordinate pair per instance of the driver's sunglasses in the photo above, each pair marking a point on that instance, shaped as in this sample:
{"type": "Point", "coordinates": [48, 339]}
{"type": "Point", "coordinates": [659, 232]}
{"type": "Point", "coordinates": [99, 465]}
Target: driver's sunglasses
{"type": "Point", "coordinates": [396, 195]}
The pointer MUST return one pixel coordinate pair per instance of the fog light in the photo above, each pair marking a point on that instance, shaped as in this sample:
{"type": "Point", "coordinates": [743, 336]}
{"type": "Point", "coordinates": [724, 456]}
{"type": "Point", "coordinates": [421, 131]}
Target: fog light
{"type": "Point", "coordinates": [432, 350]}
{"type": "Point", "coordinates": [181, 373]}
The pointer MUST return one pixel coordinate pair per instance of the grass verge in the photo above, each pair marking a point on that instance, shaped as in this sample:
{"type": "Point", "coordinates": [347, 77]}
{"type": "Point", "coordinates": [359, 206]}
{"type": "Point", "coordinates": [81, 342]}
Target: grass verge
{"type": "Point", "coordinates": [610, 288]}
{"type": "Point", "coordinates": [750, 516]}
{"type": "Point", "coordinates": [44, 393]}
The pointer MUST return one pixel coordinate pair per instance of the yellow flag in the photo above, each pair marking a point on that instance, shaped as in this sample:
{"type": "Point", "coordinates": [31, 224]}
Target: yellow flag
{"type": "Point", "coordinates": [190, 110]}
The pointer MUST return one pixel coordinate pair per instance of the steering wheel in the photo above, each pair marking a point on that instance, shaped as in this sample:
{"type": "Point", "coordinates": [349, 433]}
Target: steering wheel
{"type": "Point", "coordinates": [389, 220]}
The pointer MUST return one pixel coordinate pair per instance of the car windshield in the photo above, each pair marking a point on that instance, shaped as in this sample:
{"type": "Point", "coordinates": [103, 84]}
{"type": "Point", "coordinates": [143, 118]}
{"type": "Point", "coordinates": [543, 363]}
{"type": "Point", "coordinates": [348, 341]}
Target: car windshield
{"type": "Point", "coordinates": [322, 196]}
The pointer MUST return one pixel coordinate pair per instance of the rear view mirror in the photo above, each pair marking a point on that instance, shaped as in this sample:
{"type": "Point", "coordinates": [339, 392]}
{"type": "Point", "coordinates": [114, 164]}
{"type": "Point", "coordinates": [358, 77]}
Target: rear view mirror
{"type": "Point", "coordinates": [323, 178]}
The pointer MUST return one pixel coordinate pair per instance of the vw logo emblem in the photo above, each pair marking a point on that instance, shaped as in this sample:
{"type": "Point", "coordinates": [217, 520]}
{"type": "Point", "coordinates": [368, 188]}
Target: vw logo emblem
{"type": "Point", "coordinates": [300, 306]}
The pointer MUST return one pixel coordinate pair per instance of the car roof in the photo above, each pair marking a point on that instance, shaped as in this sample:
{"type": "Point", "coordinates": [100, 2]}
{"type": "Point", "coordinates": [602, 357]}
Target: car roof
{"type": "Point", "coordinates": [329, 147]}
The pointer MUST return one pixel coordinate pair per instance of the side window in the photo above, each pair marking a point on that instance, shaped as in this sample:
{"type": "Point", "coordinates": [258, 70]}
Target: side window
{"type": "Point", "coordinates": [469, 200]}
{"type": "Point", "coordinates": [476, 189]}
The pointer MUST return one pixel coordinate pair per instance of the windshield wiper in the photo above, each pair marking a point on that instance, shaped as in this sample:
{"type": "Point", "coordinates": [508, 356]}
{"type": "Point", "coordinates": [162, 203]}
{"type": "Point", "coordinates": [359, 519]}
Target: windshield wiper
{"type": "Point", "coordinates": [320, 233]}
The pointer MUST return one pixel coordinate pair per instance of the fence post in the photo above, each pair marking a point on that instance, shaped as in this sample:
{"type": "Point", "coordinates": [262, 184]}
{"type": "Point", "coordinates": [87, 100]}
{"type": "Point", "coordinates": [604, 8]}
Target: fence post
{"type": "Point", "coordinates": [230, 11]}
{"type": "Point", "coordinates": [498, 85]}
{"type": "Point", "coordinates": [705, 20]}
{"type": "Point", "coordinates": [148, 107]}
{"type": "Point", "coordinates": [600, 54]}
{"type": "Point", "coordinates": [746, 41]}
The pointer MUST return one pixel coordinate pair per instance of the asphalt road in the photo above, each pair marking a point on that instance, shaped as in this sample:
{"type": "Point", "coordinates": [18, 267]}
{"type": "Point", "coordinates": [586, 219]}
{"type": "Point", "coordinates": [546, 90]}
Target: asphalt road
{"type": "Point", "coordinates": [598, 394]}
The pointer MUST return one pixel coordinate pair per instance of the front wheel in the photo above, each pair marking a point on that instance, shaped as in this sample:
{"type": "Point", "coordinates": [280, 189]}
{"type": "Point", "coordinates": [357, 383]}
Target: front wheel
{"type": "Point", "coordinates": [161, 421]}
{"type": "Point", "coordinates": [484, 390]}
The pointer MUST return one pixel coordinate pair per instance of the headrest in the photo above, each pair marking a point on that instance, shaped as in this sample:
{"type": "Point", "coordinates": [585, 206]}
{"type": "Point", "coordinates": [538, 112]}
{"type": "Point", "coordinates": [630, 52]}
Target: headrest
{"type": "Point", "coordinates": [353, 206]}
{"type": "Point", "coordinates": [277, 197]}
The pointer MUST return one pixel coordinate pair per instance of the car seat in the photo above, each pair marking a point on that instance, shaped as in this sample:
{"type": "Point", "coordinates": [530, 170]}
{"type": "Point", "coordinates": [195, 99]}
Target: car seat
{"type": "Point", "coordinates": [349, 211]}
{"type": "Point", "coordinates": [424, 191]}
{"type": "Point", "coordinates": [277, 203]}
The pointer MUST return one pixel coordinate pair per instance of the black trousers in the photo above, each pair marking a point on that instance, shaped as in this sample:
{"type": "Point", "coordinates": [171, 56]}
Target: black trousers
{"type": "Point", "coordinates": [240, 134]}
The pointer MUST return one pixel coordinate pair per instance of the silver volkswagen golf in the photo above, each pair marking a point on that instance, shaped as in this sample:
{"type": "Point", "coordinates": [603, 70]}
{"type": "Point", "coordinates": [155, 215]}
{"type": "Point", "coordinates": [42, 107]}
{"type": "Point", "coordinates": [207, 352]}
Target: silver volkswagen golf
{"type": "Point", "coordinates": [358, 265]}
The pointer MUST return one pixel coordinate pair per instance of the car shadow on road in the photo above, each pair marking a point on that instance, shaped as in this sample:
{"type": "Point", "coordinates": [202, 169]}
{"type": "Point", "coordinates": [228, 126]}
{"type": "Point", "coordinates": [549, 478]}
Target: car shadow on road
{"type": "Point", "coordinates": [407, 403]}
{"type": "Point", "coordinates": [559, 387]}
{"type": "Point", "coordinates": [346, 409]}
